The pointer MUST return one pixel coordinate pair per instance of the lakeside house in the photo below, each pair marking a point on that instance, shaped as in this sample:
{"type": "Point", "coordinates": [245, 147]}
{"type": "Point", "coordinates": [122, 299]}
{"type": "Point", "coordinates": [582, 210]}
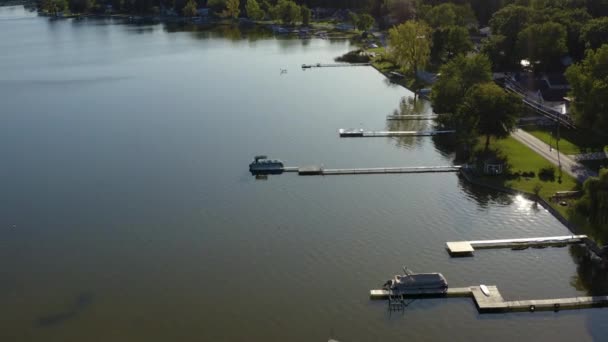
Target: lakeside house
{"type": "Point", "coordinates": [549, 89]}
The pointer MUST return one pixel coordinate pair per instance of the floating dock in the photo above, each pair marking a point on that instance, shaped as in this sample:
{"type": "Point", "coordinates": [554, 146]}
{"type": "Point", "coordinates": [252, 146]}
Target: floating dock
{"type": "Point", "coordinates": [334, 65]}
{"type": "Point", "coordinates": [411, 117]}
{"type": "Point", "coordinates": [320, 171]}
{"type": "Point", "coordinates": [354, 133]}
{"type": "Point", "coordinates": [495, 303]}
{"type": "Point", "coordinates": [466, 248]}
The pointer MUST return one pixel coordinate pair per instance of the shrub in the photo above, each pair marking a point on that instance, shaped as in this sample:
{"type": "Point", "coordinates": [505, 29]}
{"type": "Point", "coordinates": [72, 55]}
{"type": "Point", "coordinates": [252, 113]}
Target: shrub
{"type": "Point", "coordinates": [547, 174]}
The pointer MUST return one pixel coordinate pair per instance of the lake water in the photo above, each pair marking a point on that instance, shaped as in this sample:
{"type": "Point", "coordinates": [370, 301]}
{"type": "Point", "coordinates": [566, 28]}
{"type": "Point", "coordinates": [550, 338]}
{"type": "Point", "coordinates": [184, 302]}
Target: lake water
{"type": "Point", "coordinates": [127, 212]}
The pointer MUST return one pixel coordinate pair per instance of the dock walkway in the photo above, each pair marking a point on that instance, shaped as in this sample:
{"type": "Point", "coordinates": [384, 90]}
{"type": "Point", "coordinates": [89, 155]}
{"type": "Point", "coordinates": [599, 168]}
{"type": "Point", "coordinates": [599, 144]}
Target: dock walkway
{"type": "Point", "coordinates": [466, 248]}
{"type": "Point", "coordinates": [495, 303]}
{"type": "Point", "coordinates": [411, 117]}
{"type": "Point", "coordinates": [333, 65]}
{"type": "Point", "coordinates": [320, 171]}
{"type": "Point", "coordinates": [348, 133]}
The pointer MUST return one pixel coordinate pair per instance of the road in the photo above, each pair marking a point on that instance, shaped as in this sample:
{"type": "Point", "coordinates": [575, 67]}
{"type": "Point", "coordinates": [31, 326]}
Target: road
{"type": "Point", "coordinates": [569, 165]}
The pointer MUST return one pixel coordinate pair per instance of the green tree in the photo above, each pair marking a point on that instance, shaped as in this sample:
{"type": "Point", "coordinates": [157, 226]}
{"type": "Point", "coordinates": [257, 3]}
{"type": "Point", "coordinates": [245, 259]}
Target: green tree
{"type": "Point", "coordinates": [306, 14]}
{"type": "Point", "coordinates": [400, 10]}
{"type": "Point", "coordinates": [456, 78]}
{"type": "Point", "coordinates": [54, 6]}
{"type": "Point", "coordinates": [254, 12]}
{"type": "Point", "coordinates": [595, 33]}
{"type": "Point", "coordinates": [353, 18]}
{"type": "Point", "coordinates": [441, 15]}
{"type": "Point", "coordinates": [233, 9]}
{"type": "Point", "coordinates": [189, 9]}
{"type": "Point", "coordinates": [509, 22]}
{"type": "Point", "coordinates": [594, 203]}
{"type": "Point", "coordinates": [589, 82]}
{"type": "Point", "coordinates": [493, 111]}
{"type": "Point", "coordinates": [365, 22]}
{"type": "Point", "coordinates": [544, 43]}
{"type": "Point", "coordinates": [450, 41]}
{"type": "Point", "coordinates": [287, 11]}
{"type": "Point", "coordinates": [573, 20]}
{"type": "Point", "coordinates": [80, 6]}
{"type": "Point", "coordinates": [410, 45]}
{"type": "Point", "coordinates": [216, 6]}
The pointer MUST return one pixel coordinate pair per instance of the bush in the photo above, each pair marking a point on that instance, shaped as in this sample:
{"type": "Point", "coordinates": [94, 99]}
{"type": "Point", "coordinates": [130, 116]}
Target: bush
{"type": "Point", "coordinates": [547, 174]}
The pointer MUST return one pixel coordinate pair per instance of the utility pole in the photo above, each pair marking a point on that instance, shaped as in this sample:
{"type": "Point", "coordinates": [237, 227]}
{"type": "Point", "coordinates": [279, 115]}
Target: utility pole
{"type": "Point", "coordinates": [559, 162]}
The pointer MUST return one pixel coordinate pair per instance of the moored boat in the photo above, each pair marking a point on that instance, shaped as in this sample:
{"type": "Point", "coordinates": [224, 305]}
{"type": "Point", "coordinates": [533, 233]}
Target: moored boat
{"type": "Point", "coordinates": [261, 164]}
{"type": "Point", "coordinates": [411, 282]}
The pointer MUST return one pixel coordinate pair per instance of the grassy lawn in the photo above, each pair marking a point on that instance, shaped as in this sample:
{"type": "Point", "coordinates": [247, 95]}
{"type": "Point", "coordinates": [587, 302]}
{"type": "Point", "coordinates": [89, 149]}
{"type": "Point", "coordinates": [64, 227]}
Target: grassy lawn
{"type": "Point", "coordinates": [522, 159]}
{"type": "Point", "coordinates": [571, 141]}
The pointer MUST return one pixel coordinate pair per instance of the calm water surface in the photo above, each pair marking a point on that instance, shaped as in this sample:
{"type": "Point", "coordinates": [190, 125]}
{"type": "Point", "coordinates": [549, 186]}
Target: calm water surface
{"type": "Point", "coordinates": [127, 212]}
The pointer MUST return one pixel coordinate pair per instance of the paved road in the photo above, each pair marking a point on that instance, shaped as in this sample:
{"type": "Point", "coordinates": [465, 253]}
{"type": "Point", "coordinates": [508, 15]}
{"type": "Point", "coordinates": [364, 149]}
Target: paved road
{"type": "Point", "coordinates": [569, 165]}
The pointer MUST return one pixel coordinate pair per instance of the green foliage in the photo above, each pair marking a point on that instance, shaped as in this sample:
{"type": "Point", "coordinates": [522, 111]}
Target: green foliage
{"type": "Point", "coordinates": [254, 12]}
{"type": "Point", "coordinates": [547, 174]}
{"type": "Point", "coordinates": [595, 33]}
{"type": "Point", "coordinates": [491, 110]}
{"type": "Point", "coordinates": [450, 41]}
{"type": "Point", "coordinates": [233, 9]}
{"type": "Point", "coordinates": [54, 6]}
{"type": "Point", "coordinates": [509, 22]}
{"type": "Point", "coordinates": [400, 10]}
{"type": "Point", "coordinates": [365, 22]}
{"type": "Point", "coordinates": [594, 203]}
{"type": "Point", "coordinates": [449, 14]}
{"type": "Point", "coordinates": [189, 9]}
{"type": "Point", "coordinates": [456, 78]}
{"type": "Point", "coordinates": [287, 11]}
{"type": "Point", "coordinates": [306, 14]}
{"type": "Point", "coordinates": [589, 82]}
{"type": "Point", "coordinates": [216, 6]}
{"type": "Point", "coordinates": [544, 43]}
{"type": "Point", "coordinates": [353, 18]}
{"type": "Point", "coordinates": [410, 45]}
{"type": "Point", "coordinates": [81, 6]}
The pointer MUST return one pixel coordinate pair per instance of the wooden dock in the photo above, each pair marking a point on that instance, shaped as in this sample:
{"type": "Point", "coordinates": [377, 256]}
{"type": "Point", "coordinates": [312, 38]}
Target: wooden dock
{"type": "Point", "coordinates": [411, 117]}
{"type": "Point", "coordinates": [353, 133]}
{"type": "Point", "coordinates": [495, 303]}
{"type": "Point", "coordinates": [466, 248]}
{"type": "Point", "coordinates": [451, 292]}
{"type": "Point", "coordinates": [333, 65]}
{"type": "Point", "coordinates": [320, 171]}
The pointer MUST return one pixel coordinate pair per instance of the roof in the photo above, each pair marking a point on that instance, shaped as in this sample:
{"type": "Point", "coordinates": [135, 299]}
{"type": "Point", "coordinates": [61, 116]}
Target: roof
{"type": "Point", "coordinates": [557, 79]}
{"type": "Point", "coordinates": [527, 81]}
{"type": "Point", "coordinates": [554, 95]}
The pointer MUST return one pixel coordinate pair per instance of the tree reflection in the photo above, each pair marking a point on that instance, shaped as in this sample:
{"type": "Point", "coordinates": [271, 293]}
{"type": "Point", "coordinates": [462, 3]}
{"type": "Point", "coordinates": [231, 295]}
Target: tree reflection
{"type": "Point", "coordinates": [483, 196]}
{"type": "Point", "coordinates": [591, 275]}
{"type": "Point", "coordinates": [408, 106]}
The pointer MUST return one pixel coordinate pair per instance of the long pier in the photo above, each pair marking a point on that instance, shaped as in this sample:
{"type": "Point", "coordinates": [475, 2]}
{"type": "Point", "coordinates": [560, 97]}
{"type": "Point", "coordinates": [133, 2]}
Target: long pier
{"type": "Point", "coordinates": [466, 248]}
{"type": "Point", "coordinates": [411, 117]}
{"type": "Point", "coordinates": [334, 65]}
{"type": "Point", "coordinates": [495, 303]}
{"type": "Point", "coordinates": [320, 171]}
{"type": "Point", "coordinates": [354, 133]}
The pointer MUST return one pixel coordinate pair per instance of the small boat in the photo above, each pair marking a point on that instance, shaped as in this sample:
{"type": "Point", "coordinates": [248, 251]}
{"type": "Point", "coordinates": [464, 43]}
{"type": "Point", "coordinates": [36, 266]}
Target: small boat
{"type": "Point", "coordinates": [484, 289]}
{"type": "Point", "coordinates": [261, 164]}
{"type": "Point", "coordinates": [350, 132]}
{"type": "Point", "coordinates": [413, 283]}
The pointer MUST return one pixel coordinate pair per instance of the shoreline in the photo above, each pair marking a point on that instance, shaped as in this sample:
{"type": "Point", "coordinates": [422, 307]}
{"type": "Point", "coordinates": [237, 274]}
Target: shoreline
{"type": "Point", "coordinates": [573, 228]}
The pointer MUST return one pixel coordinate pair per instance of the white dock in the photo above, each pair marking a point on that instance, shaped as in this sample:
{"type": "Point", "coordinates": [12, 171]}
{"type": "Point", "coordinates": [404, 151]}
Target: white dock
{"type": "Point", "coordinates": [466, 248]}
{"type": "Point", "coordinates": [411, 117]}
{"type": "Point", "coordinates": [495, 303]}
{"type": "Point", "coordinates": [353, 133]}
{"type": "Point", "coordinates": [333, 65]}
{"type": "Point", "coordinates": [314, 170]}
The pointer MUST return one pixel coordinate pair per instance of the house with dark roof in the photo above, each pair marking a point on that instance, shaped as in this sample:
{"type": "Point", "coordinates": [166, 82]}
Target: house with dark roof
{"type": "Point", "coordinates": [549, 89]}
